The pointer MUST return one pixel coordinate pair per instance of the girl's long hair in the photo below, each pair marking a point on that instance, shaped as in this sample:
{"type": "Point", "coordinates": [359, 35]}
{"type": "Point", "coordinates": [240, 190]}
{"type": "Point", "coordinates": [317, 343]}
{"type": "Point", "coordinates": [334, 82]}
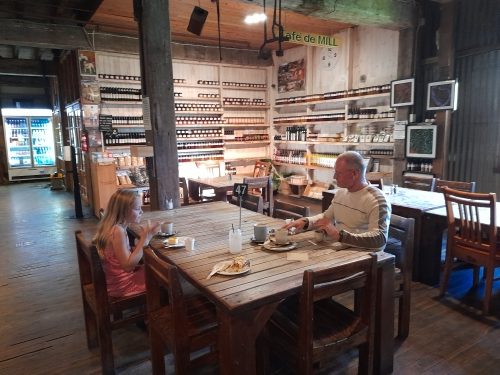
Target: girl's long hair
{"type": "Point", "coordinates": [118, 209]}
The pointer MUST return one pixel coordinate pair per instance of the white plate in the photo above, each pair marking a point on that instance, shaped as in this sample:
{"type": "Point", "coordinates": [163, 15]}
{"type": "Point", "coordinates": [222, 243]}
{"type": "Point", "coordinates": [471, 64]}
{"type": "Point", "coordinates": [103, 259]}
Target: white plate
{"type": "Point", "coordinates": [228, 273]}
{"type": "Point", "coordinates": [268, 245]}
{"type": "Point", "coordinates": [180, 243]}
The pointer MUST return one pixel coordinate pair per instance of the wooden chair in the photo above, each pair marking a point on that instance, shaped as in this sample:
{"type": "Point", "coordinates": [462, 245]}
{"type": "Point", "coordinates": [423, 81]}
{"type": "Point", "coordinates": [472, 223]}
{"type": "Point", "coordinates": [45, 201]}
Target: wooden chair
{"type": "Point", "coordinates": [468, 240]}
{"type": "Point", "coordinates": [400, 244]}
{"type": "Point", "coordinates": [184, 323]}
{"type": "Point", "coordinates": [286, 210]}
{"type": "Point", "coordinates": [261, 169]}
{"type": "Point", "coordinates": [419, 183]}
{"type": "Point", "coordinates": [455, 185]}
{"type": "Point", "coordinates": [315, 328]}
{"type": "Point", "coordinates": [250, 202]}
{"type": "Point", "coordinates": [102, 313]}
{"type": "Point", "coordinates": [184, 188]}
{"type": "Point", "coordinates": [262, 186]}
{"type": "Point", "coordinates": [377, 182]}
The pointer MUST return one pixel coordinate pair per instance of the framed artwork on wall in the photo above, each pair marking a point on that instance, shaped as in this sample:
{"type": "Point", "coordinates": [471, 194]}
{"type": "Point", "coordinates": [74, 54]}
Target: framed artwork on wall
{"type": "Point", "coordinates": [402, 92]}
{"type": "Point", "coordinates": [441, 95]}
{"type": "Point", "coordinates": [421, 141]}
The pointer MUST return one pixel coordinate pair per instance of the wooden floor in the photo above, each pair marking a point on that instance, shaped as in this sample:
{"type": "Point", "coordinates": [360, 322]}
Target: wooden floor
{"type": "Point", "coordinates": [41, 325]}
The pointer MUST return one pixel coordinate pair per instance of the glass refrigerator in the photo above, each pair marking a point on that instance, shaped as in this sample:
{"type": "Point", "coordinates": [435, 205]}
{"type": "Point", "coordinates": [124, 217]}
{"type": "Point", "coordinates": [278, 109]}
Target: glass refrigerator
{"type": "Point", "coordinates": [29, 138]}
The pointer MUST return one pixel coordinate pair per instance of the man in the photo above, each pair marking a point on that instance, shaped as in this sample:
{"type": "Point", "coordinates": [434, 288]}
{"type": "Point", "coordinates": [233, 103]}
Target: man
{"type": "Point", "coordinates": [359, 214]}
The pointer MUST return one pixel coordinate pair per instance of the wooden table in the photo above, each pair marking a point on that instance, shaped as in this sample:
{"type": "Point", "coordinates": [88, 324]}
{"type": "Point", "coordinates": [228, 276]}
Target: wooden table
{"type": "Point", "coordinates": [412, 203]}
{"type": "Point", "coordinates": [221, 185]}
{"type": "Point", "coordinates": [434, 223]}
{"type": "Point", "coordinates": [246, 302]}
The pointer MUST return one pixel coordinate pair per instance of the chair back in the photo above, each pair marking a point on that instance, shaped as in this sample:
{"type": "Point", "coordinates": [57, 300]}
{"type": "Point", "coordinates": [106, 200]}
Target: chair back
{"type": "Point", "coordinates": [377, 182]}
{"type": "Point", "coordinates": [466, 213]}
{"type": "Point", "coordinates": [455, 185]}
{"type": "Point", "coordinates": [183, 187]}
{"type": "Point", "coordinates": [286, 210]}
{"type": "Point", "coordinates": [319, 286]}
{"type": "Point", "coordinates": [261, 169]}
{"type": "Point", "coordinates": [419, 183]}
{"type": "Point", "coordinates": [250, 202]}
{"type": "Point", "coordinates": [400, 243]}
{"type": "Point", "coordinates": [264, 186]}
{"type": "Point", "coordinates": [164, 290]}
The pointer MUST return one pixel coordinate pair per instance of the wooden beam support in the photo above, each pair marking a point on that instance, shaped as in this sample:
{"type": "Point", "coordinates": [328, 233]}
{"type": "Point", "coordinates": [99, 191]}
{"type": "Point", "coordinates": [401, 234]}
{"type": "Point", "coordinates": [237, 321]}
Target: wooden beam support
{"type": "Point", "coordinates": [27, 68]}
{"type": "Point", "coordinates": [23, 81]}
{"type": "Point", "coordinates": [157, 75]}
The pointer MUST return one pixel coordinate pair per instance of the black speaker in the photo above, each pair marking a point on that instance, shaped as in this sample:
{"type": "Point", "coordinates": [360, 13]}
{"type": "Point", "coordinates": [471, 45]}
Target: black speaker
{"type": "Point", "coordinates": [197, 20]}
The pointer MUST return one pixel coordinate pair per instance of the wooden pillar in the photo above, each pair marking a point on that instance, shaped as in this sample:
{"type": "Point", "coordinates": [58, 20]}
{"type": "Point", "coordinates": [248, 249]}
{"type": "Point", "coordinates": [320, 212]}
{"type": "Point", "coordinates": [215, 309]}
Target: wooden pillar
{"type": "Point", "coordinates": [157, 77]}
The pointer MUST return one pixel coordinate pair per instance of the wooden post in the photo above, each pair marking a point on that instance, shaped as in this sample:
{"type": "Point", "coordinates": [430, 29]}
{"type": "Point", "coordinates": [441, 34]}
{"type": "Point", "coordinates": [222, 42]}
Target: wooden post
{"type": "Point", "coordinates": [157, 78]}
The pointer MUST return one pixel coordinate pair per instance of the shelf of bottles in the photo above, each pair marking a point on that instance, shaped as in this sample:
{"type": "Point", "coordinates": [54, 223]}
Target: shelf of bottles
{"type": "Point", "coordinates": [244, 85]}
{"type": "Point", "coordinates": [244, 103]}
{"type": "Point", "coordinates": [208, 119]}
{"type": "Point", "coordinates": [198, 107]}
{"type": "Point", "coordinates": [244, 120]}
{"type": "Point", "coordinates": [207, 145]}
{"type": "Point", "coordinates": [190, 134]}
{"type": "Point", "coordinates": [297, 157]}
{"type": "Point", "coordinates": [357, 113]}
{"type": "Point", "coordinates": [245, 136]}
{"type": "Point", "coordinates": [124, 139]}
{"type": "Point", "coordinates": [310, 119]}
{"type": "Point", "coordinates": [300, 158]}
{"type": "Point", "coordinates": [343, 95]}
{"type": "Point", "coordinates": [120, 77]}
{"type": "Point", "coordinates": [201, 156]}
{"type": "Point", "coordinates": [120, 94]}
{"type": "Point", "coordinates": [135, 121]}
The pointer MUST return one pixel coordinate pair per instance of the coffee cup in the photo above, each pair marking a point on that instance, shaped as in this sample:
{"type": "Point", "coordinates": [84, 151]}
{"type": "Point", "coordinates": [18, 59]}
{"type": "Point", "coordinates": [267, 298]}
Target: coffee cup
{"type": "Point", "coordinates": [167, 227]}
{"type": "Point", "coordinates": [260, 232]}
{"type": "Point", "coordinates": [319, 235]}
{"type": "Point", "coordinates": [281, 236]}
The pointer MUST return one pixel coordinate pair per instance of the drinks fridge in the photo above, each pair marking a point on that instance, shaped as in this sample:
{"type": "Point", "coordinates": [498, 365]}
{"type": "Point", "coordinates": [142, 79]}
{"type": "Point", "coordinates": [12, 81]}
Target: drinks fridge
{"type": "Point", "coordinates": [29, 141]}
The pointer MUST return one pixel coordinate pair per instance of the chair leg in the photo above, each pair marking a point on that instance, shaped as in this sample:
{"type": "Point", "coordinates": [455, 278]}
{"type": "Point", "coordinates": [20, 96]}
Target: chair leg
{"type": "Point", "coordinates": [404, 316]}
{"type": "Point", "coordinates": [90, 326]}
{"type": "Point", "coordinates": [488, 290]}
{"type": "Point", "coordinates": [157, 353]}
{"type": "Point", "coordinates": [446, 275]}
{"type": "Point", "coordinates": [365, 365]}
{"type": "Point", "coordinates": [106, 347]}
{"type": "Point", "coordinates": [475, 276]}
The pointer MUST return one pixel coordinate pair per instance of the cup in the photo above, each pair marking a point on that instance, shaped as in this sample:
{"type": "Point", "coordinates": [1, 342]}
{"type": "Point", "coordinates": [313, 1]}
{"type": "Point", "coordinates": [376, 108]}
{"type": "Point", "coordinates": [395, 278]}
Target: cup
{"type": "Point", "coordinates": [281, 236]}
{"type": "Point", "coordinates": [319, 235]}
{"type": "Point", "coordinates": [235, 241]}
{"type": "Point", "coordinates": [167, 227]}
{"type": "Point", "coordinates": [260, 232]}
{"type": "Point", "coordinates": [189, 241]}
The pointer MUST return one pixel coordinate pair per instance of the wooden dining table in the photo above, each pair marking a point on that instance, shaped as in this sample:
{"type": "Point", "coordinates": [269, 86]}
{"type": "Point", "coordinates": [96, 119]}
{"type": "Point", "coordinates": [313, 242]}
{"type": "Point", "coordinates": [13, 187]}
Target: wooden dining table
{"type": "Point", "coordinates": [246, 302]}
{"type": "Point", "coordinates": [222, 186]}
{"type": "Point", "coordinates": [414, 204]}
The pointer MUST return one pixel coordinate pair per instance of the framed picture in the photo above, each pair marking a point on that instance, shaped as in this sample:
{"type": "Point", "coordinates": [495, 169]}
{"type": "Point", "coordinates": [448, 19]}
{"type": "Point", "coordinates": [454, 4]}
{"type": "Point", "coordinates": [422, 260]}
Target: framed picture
{"type": "Point", "coordinates": [402, 92]}
{"type": "Point", "coordinates": [86, 61]}
{"type": "Point", "coordinates": [421, 141]}
{"type": "Point", "coordinates": [441, 95]}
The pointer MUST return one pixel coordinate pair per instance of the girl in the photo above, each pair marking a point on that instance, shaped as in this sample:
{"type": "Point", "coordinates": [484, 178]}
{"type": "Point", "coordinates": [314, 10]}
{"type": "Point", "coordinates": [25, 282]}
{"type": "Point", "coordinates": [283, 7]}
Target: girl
{"type": "Point", "coordinates": [124, 277]}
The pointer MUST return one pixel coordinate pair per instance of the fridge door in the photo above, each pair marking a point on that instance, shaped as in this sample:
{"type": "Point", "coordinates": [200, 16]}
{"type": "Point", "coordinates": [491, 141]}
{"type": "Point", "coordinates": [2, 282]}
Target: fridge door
{"type": "Point", "coordinates": [42, 142]}
{"type": "Point", "coordinates": [17, 138]}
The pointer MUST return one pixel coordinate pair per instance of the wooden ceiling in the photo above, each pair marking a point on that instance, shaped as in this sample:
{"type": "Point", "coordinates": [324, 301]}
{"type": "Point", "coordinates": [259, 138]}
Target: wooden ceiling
{"type": "Point", "coordinates": [116, 16]}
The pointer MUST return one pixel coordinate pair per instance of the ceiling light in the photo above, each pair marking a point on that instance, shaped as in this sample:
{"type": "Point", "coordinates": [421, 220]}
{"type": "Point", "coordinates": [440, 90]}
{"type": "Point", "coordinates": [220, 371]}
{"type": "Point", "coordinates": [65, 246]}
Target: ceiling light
{"type": "Point", "coordinates": [255, 18]}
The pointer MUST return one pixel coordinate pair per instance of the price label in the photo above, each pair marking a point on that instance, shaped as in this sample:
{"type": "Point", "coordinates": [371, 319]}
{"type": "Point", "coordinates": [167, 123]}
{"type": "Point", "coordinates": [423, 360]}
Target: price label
{"type": "Point", "coordinates": [105, 123]}
{"type": "Point", "coordinates": [240, 190]}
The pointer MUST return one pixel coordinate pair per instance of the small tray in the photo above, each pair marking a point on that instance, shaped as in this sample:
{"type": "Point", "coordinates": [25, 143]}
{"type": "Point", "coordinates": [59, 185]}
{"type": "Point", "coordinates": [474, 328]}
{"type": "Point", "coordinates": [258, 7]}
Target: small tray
{"type": "Point", "coordinates": [164, 235]}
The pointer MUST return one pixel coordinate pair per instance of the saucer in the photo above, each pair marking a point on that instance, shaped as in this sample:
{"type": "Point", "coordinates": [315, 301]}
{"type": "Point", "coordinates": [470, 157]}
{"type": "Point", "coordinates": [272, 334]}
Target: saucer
{"type": "Point", "coordinates": [253, 240]}
{"type": "Point", "coordinates": [269, 245]}
{"type": "Point", "coordinates": [165, 235]}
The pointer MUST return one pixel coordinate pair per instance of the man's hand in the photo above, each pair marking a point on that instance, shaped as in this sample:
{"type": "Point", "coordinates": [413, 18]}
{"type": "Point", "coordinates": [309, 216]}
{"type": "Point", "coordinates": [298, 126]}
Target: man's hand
{"type": "Point", "coordinates": [297, 224]}
{"type": "Point", "coordinates": [330, 229]}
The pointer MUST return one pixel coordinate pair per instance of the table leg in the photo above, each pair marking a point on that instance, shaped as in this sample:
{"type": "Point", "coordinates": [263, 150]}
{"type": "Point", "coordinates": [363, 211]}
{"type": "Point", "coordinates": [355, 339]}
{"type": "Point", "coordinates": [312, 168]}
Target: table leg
{"type": "Point", "coordinates": [430, 254]}
{"type": "Point", "coordinates": [384, 320]}
{"type": "Point", "coordinates": [194, 190]}
{"type": "Point", "coordinates": [238, 334]}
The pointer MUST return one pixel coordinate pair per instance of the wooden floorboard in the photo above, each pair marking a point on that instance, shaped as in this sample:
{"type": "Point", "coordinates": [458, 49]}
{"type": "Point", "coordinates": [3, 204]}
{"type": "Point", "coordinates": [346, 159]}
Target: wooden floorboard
{"type": "Point", "coordinates": [41, 319]}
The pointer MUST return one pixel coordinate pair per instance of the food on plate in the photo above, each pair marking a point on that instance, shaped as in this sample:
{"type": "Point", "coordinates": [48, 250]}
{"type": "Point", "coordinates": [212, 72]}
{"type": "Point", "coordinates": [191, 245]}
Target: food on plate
{"type": "Point", "coordinates": [172, 240]}
{"type": "Point", "coordinates": [238, 264]}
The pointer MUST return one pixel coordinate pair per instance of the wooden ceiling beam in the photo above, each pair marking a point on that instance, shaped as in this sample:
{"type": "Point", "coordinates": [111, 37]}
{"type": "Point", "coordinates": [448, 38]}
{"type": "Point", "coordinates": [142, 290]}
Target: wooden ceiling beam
{"type": "Point", "coordinates": [23, 81]}
{"type": "Point", "coordinates": [27, 68]}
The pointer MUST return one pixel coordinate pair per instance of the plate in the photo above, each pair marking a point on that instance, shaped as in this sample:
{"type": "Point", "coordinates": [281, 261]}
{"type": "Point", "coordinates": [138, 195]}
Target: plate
{"type": "Point", "coordinates": [226, 273]}
{"type": "Point", "coordinates": [269, 245]}
{"type": "Point", "coordinates": [180, 243]}
{"type": "Point", "coordinates": [253, 240]}
{"type": "Point", "coordinates": [273, 240]}
{"type": "Point", "coordinates": [164, 235]}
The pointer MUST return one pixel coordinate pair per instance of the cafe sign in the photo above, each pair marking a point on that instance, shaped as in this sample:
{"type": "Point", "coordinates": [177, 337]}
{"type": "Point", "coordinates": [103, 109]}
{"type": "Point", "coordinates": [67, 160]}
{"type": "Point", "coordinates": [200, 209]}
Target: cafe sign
{"type": "Point", "coordinates": [309, 39]}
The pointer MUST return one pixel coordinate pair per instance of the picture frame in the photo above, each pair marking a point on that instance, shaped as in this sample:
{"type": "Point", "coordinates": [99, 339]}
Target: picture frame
{"type": "Point", "coordinates": [402, 92]}
{"type": "Point", "coordinates": [442, 95]}
{"type": "Point", "coordinates": [421, 141]}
